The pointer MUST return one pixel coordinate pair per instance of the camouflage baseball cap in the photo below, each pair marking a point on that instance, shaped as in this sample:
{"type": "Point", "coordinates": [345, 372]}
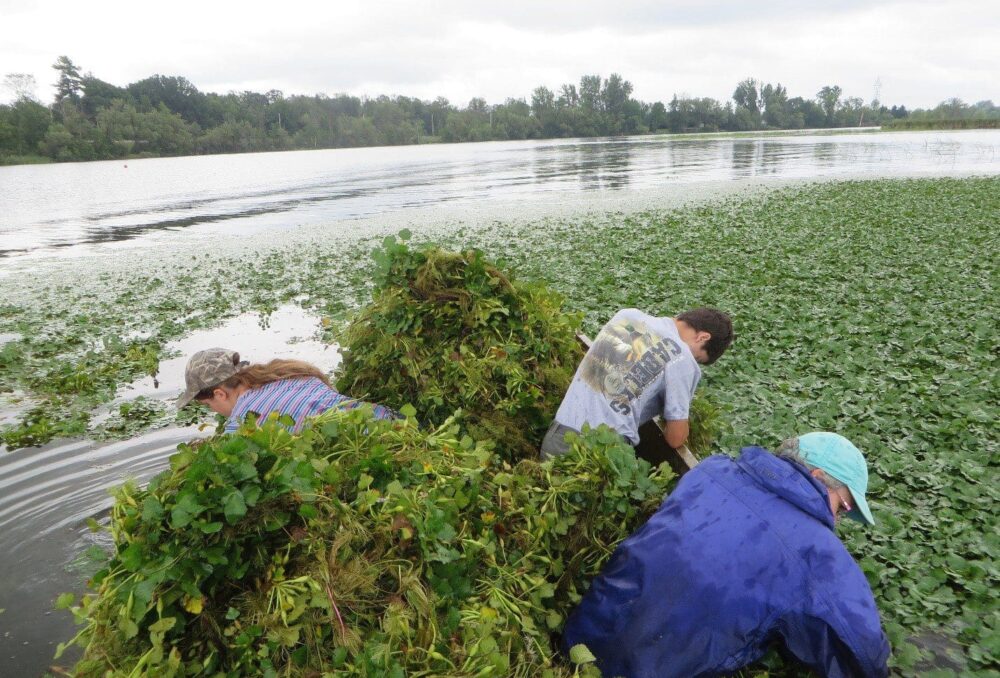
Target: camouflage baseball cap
{"type": "Point", "coordinates": [209, 368]}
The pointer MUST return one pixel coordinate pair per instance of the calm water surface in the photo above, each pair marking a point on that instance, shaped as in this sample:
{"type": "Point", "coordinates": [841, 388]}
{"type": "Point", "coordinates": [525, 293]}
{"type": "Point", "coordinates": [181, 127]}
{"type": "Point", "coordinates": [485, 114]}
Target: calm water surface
{"type": "Point", "coordinates": [70, 205]}
{"type": "Point", "coordinates": [47, 494]}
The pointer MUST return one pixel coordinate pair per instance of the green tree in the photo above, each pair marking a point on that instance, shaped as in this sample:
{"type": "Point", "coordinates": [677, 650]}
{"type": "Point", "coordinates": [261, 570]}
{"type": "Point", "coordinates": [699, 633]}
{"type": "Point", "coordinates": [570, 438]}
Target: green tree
{"type": "Point", "coordinates": [29, 120]}
{"type": "Point", "coordinates": [438, 111]}
{"type": "Point", "coordinates": [178, 94]}
{"type": "Point", "coordinates": [392, 122]}
{"type": "Point", "coordinates": [543, 101]}
{"type": "Point", "coordinates": [568, 96]}
{"type": "Point", "coordinates": [543, 108]}
{"type": "Point", "coordinates": [775, 101]}
{"type": "Point", "coordinates": [657, 119]}
{"type": "Point", "coordinates": [748, 104]}
{"type": "Point", "coordinates": [70, 82]}
{"type": "Point", "coordinates": [590, 92]}
{"type": "Point", "coordinates": [829, 99]}
{"type": "Point", "coordinates": [74, 138]}
{"type": "Point", "coordinates": [513, 120]}
{"type": "Point", "coordinates": [98, 95]}
{"type": "Point", "coordinates": [615, 97]}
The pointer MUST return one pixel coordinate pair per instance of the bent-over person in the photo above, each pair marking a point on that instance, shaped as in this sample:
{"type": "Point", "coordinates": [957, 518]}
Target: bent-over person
{"type": "Point", "coordinates": [742, 555]}
{"type": "Point", "coordinates": [639, 367]}
{"type": "Point", "coordinates": [234, 388]}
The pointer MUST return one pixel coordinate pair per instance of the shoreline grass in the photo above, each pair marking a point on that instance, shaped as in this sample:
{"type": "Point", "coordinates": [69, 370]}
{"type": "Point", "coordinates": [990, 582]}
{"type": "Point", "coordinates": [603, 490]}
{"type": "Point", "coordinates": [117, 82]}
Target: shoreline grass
{"type": "Point", "coordinates": [9, 160]}
{"type": "Point", "coordinates": [864, 307]}
{"type": "Point", "coordinates": [924, 125]}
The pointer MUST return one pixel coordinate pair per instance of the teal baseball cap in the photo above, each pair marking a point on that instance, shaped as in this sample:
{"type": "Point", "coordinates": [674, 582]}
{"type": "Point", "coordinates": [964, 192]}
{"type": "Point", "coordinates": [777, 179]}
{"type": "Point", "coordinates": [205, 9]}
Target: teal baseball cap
{"type": "Point", "coordinates": [837, 456]}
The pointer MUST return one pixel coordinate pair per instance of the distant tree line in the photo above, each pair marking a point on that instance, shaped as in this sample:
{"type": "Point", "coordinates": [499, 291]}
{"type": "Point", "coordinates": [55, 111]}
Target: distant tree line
{"type": "Point", "coordinates": [91, 119]}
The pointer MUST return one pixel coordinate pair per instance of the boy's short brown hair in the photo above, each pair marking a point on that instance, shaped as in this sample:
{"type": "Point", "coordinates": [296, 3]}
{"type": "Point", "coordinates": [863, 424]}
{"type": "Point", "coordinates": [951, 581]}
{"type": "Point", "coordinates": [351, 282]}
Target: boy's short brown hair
{"type": "Point", "coordinates": [716, 323]}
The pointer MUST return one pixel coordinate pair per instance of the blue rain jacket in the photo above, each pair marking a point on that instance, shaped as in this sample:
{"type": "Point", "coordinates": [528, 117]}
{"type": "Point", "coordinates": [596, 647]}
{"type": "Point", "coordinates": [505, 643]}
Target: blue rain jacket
{"type": "Point", "coordinates": [743, 552]}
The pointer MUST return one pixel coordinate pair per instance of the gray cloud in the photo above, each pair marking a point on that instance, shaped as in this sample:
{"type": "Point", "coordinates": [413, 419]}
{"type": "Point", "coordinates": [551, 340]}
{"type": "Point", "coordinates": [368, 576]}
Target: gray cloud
{"type": "Point", "coordinates": [922, 51]}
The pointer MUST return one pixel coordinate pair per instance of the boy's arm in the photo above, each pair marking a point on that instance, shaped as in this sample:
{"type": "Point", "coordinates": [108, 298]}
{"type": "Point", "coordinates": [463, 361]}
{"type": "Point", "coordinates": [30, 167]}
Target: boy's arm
{"type": "Point", "coordinates": [675, 432]}
{"type": "Point", "coordinates": [679, 384]}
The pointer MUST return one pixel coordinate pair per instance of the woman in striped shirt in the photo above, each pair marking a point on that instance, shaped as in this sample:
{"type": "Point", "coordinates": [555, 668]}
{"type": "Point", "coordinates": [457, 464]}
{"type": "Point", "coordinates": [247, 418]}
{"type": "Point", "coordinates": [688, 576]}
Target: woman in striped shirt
{"type": "Point", "coordinates": [234, 388]}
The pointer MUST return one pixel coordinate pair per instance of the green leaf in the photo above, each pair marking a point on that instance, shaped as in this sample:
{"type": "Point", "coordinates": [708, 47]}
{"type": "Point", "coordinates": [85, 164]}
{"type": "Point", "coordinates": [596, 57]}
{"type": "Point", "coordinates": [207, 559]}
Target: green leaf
{"type": "Point", "coordinates": [152, 509]}
{"type": "Point", "coordinates": [181, 459]}
{"type": "Point", "coordinates": [128, 627]}
{"type": "Point", "coordinates": [64, 601]}
{"type": "Point", "coordinates": [179, 518]}
{"type": "Point", "coordinates": [163, 625]}
{"type": "Point", "coordinates": [338, 657]}
{"type": "Point", "coordinates": [579, 654]}
{"type": "Point", "coordinates": [234, 508]}
{"type": "Point", "coordinates": [132, 557]}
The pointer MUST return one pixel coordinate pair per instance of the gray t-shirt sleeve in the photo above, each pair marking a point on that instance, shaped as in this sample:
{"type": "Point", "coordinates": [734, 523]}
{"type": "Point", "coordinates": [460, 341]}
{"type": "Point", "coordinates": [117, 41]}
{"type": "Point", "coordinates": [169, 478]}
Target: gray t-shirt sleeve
{"type": "Point", "coordinates": [681, 380]}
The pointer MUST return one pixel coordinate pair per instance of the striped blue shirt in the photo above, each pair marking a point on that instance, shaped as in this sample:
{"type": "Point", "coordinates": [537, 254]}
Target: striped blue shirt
{"type": "Point", "coordinates": [298, 398]}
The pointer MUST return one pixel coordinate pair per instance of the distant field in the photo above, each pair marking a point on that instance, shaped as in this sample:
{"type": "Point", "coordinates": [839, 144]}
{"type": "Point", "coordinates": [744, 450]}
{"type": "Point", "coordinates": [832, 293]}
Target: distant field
{"type": "Point", "coordinates": [25, 160]}
{"type": "Point", "coordinates": [916, 125]}
{"type": "Point", "coordinates": [772, 133]}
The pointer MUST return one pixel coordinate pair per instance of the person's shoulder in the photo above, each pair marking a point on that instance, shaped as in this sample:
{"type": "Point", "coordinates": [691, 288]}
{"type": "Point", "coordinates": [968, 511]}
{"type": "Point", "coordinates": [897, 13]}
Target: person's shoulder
{"type": "Point", "coordinates": [631, 313]}
{"type": "Point", "coordinates": [716, 462]}
{"type": "Point", "coordinates": [710, 469]}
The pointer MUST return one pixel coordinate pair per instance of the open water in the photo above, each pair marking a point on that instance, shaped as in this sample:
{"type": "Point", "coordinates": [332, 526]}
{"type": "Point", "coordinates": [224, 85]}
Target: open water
{"type": "Point", "coordinates": [55, 211]}
{"type": "Point", "coordinates": [78, 205]}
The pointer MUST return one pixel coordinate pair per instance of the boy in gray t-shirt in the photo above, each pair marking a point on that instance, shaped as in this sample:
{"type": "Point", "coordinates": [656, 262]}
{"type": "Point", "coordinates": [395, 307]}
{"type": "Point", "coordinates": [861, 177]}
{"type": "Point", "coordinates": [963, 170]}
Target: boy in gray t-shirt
{"type": "Point", "coordinates": [639, 367]}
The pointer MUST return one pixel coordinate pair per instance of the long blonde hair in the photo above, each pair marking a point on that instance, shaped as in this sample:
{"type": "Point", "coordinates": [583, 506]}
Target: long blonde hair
{"type": "Point", "coordinates": [260, 374]}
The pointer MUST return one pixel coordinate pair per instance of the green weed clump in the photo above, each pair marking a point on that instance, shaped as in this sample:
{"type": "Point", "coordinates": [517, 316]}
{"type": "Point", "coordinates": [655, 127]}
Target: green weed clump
{"type": "Point", "coordinates": [451, 330]}
{"type": "Point", "coordinates": [359, 548]}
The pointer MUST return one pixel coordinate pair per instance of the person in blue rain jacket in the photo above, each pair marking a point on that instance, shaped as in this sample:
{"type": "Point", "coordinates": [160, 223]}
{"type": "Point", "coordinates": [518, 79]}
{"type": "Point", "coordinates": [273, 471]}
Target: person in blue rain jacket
{"type": "Point", "coordinates": [742, 554]}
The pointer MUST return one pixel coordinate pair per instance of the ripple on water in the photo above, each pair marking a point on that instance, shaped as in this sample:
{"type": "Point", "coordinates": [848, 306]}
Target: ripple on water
{"type": "Point", "coordinates": [46, 496]}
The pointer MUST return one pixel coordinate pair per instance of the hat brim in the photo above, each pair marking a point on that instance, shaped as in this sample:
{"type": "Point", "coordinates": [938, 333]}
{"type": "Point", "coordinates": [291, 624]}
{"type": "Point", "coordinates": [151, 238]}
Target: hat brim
{"type": "Point", "coordinates": [860, 512]}
{"type": "Point", "coordinates": [185, 398]}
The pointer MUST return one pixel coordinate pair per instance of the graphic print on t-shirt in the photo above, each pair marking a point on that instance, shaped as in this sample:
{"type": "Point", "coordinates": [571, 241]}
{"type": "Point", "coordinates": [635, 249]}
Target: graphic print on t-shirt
{"type": "Point", "coordinates": [624, 359]}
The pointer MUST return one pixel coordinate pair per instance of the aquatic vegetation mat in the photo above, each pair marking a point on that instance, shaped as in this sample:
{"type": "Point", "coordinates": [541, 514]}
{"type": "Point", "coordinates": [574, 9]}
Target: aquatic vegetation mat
{"type": "Point", "coordinates": [360, 548]}
{"type": "Point", "coordinates": [451, 330]}
{"type": "Point", "coordinates": [79, 337]}
{"type": "Point", "coordinates": [866, 307]}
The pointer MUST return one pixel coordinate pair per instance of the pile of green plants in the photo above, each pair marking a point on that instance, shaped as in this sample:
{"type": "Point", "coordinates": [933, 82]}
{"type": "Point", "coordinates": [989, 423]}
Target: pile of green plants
{"type": "Point", "coordinates": [452, 330]}
{"type": "Point", "coordinates": [360, 547]}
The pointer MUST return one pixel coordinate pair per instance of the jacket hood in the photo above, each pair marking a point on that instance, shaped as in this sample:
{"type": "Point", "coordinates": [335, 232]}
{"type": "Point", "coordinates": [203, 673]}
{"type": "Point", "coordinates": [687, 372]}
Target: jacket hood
{"type": "Point", "coordinates": [787, 480]}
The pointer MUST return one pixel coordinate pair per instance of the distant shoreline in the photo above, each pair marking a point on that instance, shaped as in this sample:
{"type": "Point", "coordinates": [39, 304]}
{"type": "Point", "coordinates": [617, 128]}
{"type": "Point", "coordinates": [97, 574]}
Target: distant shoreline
{"type": "Point", "coordinates": [13, 161]}
{"type": "Point", "coordinates": [897, 126]}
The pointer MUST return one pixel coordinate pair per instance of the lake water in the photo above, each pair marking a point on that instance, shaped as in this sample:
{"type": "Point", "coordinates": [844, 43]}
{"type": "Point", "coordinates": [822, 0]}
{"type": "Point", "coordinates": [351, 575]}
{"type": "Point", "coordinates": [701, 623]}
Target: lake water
{"type": "Point", "coordinates": [47, 494]}
{"type": "Point", "coordinates": [46, 208]}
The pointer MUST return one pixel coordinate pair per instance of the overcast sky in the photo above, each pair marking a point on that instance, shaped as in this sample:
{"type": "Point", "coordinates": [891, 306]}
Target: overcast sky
{"type": "Point", "coordinates": [921, 52]}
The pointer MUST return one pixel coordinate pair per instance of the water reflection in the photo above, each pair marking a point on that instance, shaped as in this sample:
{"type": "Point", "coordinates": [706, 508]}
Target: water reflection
{"type": "Point", "coordinates": [593, 166]}
{"type": "Point", "coordinates": [824, 155]}
{"type": "Point", "coordinates": [63, 206]}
